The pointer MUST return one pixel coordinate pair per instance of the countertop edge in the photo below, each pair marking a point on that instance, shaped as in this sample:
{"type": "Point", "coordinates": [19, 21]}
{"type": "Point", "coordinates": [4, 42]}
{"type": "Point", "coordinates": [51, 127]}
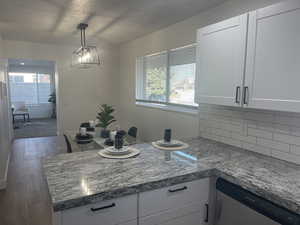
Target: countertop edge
{"type": "Point", "coordinates": [139, 188]}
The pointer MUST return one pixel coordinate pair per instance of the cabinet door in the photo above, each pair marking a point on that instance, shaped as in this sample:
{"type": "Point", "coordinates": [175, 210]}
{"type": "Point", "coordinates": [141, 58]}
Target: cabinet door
{"type": "Point", "coordinates": [176, 196]}
{"type": "Point", "coordinates": [180, 204]}
{"type": "Point", "coordinates": [191, 219]}
{"type": "Point", "coordinates": [111, 212]}
{"type": "Point", "coordinates": [221, 50]}
{"type": "Point", "coordinates": [273, 58]}
{"type": "Point", "coordinates": [191, 214]}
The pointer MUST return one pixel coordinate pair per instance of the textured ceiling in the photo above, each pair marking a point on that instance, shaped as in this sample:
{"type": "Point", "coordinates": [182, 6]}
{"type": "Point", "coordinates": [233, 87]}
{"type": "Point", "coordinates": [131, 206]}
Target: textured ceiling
{"type": "Point", "coordinates": [115, 21]}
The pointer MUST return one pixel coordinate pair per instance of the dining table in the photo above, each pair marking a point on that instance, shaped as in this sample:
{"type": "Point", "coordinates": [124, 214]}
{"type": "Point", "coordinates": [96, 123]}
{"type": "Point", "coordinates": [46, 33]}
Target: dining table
{"type": "Point", "coordinates": [97, 143]}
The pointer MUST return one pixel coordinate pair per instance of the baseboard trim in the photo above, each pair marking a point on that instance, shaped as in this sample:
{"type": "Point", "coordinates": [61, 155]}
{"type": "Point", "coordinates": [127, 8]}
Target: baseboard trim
{"type": "Point", "coordinates": [3, 182]}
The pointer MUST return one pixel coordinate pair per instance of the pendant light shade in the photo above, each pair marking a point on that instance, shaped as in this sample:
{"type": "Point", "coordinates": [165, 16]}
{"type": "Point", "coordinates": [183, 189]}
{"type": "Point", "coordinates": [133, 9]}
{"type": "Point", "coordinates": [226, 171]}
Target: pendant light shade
{"type": "Point", "coordinates": [85, 55]}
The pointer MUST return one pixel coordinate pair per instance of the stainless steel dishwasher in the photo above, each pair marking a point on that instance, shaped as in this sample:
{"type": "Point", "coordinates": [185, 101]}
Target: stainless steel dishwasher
{"type": "Point", "coordinates": [237, 206]}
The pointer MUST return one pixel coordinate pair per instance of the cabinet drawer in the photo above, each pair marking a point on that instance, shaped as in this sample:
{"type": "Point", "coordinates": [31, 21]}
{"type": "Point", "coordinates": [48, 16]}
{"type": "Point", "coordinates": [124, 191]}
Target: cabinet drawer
{"type": "Point", "coordinates": [173, 197]}
{"type": "Point", "coordinates": [195, 212]}
{"type": "Point", "coordinates": [112, 212]}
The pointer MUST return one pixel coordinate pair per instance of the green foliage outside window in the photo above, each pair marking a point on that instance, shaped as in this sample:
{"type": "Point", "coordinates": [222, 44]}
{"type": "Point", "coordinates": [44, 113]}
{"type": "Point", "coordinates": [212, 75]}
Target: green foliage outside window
{"type": "Point", "coordinates": [156, 84]}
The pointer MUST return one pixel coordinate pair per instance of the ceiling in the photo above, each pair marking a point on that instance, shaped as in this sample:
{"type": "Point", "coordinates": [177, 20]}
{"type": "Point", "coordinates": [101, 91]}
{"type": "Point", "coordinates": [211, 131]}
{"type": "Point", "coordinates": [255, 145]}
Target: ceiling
{"type": "Point", "coordinates": [115, 21]}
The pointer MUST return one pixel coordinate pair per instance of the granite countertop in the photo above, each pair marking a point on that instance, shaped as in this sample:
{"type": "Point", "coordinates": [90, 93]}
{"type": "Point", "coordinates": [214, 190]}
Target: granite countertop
{"type": "Point", "coordinates": [81, 178]}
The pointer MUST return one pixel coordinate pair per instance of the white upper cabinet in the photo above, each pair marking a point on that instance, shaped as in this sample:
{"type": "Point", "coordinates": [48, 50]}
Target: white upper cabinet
{"type": "Point", "coordinates": [220, 62]}
{"type": "Point", "coordinates": [273, 58]}
{"type": "Point", "coordinates": [266, 68]}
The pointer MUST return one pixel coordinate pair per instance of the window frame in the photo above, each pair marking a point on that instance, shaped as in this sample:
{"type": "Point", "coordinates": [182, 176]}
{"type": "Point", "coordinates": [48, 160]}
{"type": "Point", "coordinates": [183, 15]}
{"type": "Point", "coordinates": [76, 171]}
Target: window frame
{"type": "Point", "coordinates": [37, 85]}
{"type": "Point", "coordinates": [141, 82]}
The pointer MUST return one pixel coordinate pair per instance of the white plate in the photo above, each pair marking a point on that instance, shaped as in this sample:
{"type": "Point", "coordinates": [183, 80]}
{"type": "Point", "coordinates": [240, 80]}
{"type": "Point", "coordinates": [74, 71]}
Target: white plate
{"type": "Point", "coordinates": [113, 151]}
{"type": "Point", "coordinates": [172, 143]}
{"type": "Point", "coordinates": [132, 152]}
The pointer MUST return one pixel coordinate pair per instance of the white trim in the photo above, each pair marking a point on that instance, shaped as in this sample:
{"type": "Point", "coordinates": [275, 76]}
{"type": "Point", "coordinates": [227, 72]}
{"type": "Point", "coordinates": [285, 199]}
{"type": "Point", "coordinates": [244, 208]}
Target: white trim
{"type": "Point", "coordinates": [3, 182]}
{"type": "Point", "coordinates": [170, 108]}
{"type": "Point", "coordinates": [183, 47]}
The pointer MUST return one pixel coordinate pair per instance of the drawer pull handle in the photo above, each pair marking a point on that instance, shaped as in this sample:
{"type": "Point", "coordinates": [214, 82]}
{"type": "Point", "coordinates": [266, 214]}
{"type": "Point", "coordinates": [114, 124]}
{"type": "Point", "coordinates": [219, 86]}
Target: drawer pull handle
{"type": "Point", "coordinates": [179, 189]}
{"type": "Point", "coordinates": [246, 95]}
{"type": "Point", "coordinates": [206, 216]}
{"type": "Point", "coordinates": [237, 94]}
{"type": "Point", "coordinates": [103, 207]}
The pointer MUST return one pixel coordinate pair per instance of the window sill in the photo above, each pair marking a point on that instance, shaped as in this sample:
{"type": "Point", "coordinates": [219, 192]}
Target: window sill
{"type": "Point", "coordinates": [172, 108]}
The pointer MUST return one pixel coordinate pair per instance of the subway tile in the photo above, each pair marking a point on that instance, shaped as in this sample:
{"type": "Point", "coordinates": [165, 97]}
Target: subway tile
{"type": "Point", "coordinates": [210, 136]}
{"type": "Point", "coordinates": [265, 132]}
{"type": "Point", "coordinates": [284, 120]}
{"type": "Point", "coordinates": [273, 144]}
{"type": "Point", "coordinates": [286, 156]}
{"type": "Point", "coordinates": [265, 126]}
{"type": "Point", "coordinates": [257, 148]}
{"type": "Point", "coordinates": [237, 122]}
{"type": "Point", "coordinates": [220, 132]}
{"type": "Point", "coordinates": [287, 139]}
{"type": "Point", "coordinates": [282, 128]}
{"type": "Point", "coordinates": [249, 139]}
{"type": "Point", "coordinates": [259, 133]}
{"type": "Point", "coordinates": [295, 131]}
{"type": "Point", "coordinates": [233, 128]}
{"type": "Point", "coordinates": [296, 122]}
{"type": "Point", "coordinates": [295, 149]}
{"type": "Point", "coordinates": [258, 116]}
{"type": "Point", "coordinates": [230, 141]}
{"type": "Point", "coordinates": [251, 123]}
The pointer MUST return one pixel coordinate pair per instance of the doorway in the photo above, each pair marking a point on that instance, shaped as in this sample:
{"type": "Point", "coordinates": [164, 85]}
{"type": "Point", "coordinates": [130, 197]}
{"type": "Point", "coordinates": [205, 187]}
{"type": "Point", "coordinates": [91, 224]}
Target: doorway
{"type": "Point", "coordinates": [32, 97]}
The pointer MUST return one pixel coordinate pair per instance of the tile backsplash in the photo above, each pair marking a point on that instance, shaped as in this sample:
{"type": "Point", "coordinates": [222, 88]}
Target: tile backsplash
{"type": "Point", "coordinates": [272, 133]}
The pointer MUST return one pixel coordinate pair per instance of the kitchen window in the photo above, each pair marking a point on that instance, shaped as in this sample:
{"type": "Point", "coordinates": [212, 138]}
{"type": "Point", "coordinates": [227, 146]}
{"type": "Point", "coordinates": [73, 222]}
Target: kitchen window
{"type": "Point", "coordinates": [167, 78]}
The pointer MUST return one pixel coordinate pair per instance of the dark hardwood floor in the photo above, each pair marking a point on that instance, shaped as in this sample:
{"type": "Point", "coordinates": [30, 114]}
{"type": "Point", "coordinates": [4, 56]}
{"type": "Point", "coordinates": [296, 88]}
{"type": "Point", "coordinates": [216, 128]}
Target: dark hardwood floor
{"type": "Point", "coordinates": [26, 200]}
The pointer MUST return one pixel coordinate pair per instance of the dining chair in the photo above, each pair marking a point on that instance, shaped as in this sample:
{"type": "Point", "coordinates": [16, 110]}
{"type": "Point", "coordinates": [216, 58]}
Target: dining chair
{"type": "Point", "coordinates": [132, 132]}
{"type": "Point", "coordinates": [69, 148]}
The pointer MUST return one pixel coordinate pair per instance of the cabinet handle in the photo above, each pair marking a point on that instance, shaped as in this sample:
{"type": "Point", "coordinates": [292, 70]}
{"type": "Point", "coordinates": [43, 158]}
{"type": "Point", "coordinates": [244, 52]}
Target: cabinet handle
{"type": "Point", "coordinates": [103, 207]}
{"type": "Point", "coordinates": [245, 99]}
{"type": "Point", "coordinates": [206, 217]}
{"type": "Point", "coordinates": [178, 189]}
{"type": "Point", "coordinates": [237, 95]}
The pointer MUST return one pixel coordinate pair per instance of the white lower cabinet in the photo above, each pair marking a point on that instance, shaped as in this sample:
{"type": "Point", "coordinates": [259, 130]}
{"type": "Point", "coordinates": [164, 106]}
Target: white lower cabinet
{"type": "Point", "coordinates": [182, 204]}
{"type": "Point", "coordinates": [121, 211]}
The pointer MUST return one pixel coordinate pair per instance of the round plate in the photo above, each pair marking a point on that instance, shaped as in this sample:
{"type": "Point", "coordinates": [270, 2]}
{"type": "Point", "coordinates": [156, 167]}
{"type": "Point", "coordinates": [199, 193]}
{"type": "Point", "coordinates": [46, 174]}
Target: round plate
{"type": "Point", "coordinates": [113, 151]}
{"type": "Point", "coordinates": [85, 141]}
{"type": "Point", "coordinates": [132, 153]}
{"type": "Point", "coordinates": [83, 138]}
{"type": "Point", "coordinates": [172, 143]}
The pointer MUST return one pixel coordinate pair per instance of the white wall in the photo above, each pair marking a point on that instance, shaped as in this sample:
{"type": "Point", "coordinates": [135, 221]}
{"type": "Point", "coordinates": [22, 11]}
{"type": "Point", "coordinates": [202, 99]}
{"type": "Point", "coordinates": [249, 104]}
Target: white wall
{"type": "Point", "coordinates": [80, 91]}
{"type": "Point", "coordinates": [5, 118]}
{"type": "Point", "coordinates": [151, 122]}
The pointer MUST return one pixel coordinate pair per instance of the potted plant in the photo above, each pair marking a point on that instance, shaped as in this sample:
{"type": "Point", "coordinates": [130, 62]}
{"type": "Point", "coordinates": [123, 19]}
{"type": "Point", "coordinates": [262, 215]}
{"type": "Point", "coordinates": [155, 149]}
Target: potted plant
{"type": "Point", "coordinates": [105, 118]}
{"type": "Point", "coordinates": [52, 99]}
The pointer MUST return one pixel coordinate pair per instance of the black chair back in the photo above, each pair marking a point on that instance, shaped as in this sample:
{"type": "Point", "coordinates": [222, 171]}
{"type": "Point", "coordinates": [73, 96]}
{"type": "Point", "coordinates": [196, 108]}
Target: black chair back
{"type": "Point", "coordinates": [132, 132]}
{"type": "Point", "coordinates": [69, 148]}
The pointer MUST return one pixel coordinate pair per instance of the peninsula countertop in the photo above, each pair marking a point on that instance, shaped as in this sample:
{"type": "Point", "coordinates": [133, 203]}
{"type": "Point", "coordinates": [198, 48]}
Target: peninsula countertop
{"type": "Point", "coordinates": [84, 177]}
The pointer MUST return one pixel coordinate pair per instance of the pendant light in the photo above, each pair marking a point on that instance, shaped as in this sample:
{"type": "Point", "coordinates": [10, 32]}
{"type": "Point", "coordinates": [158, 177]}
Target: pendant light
{"type": "Point", "coordinates": [85, 56]}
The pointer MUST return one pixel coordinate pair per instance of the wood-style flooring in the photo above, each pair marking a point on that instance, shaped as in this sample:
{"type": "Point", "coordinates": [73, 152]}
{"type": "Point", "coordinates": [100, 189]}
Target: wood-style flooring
{"type": "Point", "coordinates": [26, 199]}
{"type": "Point", "coordinates": [35, 128]}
